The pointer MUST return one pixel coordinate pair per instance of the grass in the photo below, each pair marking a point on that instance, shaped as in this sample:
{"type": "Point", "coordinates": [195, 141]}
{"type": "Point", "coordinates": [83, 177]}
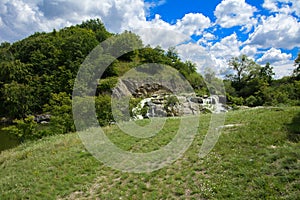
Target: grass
{"type": "Point", "coordinates": [259, 159]}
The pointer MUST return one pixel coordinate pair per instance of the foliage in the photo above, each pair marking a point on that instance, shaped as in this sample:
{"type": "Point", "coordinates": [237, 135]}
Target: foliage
{"type": "Point", "coordinates": [256, 85]}
{"type": "Point", "coordinates": [23, 129]}
{"type": "Point", "coordinates": [296, 72]}
{"type": "Point", "coordinates": [106, 85]}
{"type": "Point", "coordinates": [60, 108]}
{"type": "Point", "coordinates": [103, 109]}
{"type": "Point", "coordinates": [171, 101]}
{"type": "Point", "coordinates": [37, 74]}
{"type": "Point", "coordinates": [17, 99]}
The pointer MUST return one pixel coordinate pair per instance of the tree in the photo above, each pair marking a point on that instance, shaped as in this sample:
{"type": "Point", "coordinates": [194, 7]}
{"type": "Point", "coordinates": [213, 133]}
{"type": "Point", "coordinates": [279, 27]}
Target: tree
{"type": "Point", "coordinates": [17, 100]}
{"type": "Point", "coordinates": [246, 75]}
{"type": "Point", "coordinates": [150, 55]}
{"type": "Point", "coordinates": [125, 46]}
{"type": "Point", "coordinates": [297, 69]}
{"type": "Point", "coordinates": [267, 73]}
{"type": "Point", "coordinates": [245, 68]}
{"type": "Point", "coordinates": [173, 54]}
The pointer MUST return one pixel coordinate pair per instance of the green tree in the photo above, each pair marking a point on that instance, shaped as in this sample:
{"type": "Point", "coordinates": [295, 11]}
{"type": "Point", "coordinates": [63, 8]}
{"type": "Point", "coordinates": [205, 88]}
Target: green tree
{"type": "Point", "coordinates": [17, 99]}
{"type": "Point", "coordinates": [267, 73]}
{"type": "Point", "coordinates": [296, 72]}
{"type": "Point", "coordinates": [246, 79]}
{"type": "Point", "coordinates": [24, 129]}
{"type": "Point", "coordinates": [103, 109]}
{"type": "Point", "coordinates": [60, 108]}
{"type": "Point", "coordinates": [125, 46]}
{"type": "Point", "coordinates": [244, 67]}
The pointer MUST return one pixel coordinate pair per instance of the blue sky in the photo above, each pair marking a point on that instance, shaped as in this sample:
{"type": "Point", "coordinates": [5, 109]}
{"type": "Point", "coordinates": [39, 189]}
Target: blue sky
{"type": "Point", "coordinates": [207, 32]}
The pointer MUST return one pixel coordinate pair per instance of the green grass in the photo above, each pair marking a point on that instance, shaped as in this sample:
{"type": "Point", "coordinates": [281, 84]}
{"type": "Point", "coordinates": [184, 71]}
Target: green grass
{"type": "Point", "coordinates": [260, 159]}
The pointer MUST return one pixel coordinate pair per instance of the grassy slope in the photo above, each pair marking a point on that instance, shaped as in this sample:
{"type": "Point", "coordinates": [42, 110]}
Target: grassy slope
{"type": "Point", "coordinates": [256, 160]}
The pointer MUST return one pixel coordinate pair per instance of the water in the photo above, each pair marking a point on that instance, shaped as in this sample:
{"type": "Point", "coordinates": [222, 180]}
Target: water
{"type": "Point", "coordinates": [7, 141]}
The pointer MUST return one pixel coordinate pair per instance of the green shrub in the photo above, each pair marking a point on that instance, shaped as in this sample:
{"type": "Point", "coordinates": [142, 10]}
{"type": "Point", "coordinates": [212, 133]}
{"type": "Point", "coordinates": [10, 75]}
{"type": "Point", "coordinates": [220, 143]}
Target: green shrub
{"type": "Point", "coordinates": [103, 109]}
{"type": "Point", "coordinates": [251, 101]}
{"type": "Point", "coordinates": [23, 129]}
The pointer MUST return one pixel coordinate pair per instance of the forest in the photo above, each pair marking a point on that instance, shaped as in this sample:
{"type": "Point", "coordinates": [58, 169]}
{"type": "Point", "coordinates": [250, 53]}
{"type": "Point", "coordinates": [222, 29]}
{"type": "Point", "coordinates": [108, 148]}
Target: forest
{"type": "Point", "coordinates": [37, 76]}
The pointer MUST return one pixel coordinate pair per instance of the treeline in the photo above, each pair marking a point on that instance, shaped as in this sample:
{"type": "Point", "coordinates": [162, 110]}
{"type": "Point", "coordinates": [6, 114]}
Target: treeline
{"type": "Point", "coordinates": [253, 85]}
{"type": "Point", "coordinates": [37, 75]}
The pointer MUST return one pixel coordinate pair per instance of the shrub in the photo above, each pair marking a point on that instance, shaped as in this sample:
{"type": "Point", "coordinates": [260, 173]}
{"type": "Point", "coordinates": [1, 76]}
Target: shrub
{"type": "Point", "coordinates": [23, 129]}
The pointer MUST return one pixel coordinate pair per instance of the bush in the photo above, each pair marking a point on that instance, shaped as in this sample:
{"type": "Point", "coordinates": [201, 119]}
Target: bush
{"type": "Point", "coordinates": [103, 109]}
{"type": "Point", "coordinates": [60, 108]}
{"type": "Point", "coordinates": [23, 129]}
{"type": "Point", "coordinates": [235, 100]}
{"type": "Point", "coordinates": [251, 101]}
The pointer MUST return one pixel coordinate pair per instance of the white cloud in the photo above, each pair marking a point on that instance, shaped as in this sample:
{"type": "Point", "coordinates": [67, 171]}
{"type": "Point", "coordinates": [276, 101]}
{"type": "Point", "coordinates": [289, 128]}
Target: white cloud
{"type": "Point", "coordinates": [150, 5]}
{"type": "Point", "coordinates": [209, 36]}
{"type": "Point", "coordinates": [282, 63]}
{"type": "Point", "coordinates": [164, 38]}
{"type": "Point", "coordinates": [201, 57]}
{"type": "Point", "coordinates": [285, 69]}
{"type": "Point", "coordinates": [283, 6]}
{"type": "Point", "coordinates": [248, 50]}
{"type": "Point", "coordinates": [275, 57]}
{"type": "Point", "coordinates": [280, 31]}
{"type": "Point", "coordinates": [207, 39]}
{"type": "Point", "coordinates": [23, 17]}
{"type": "Point", "coordinates": [193, 23]}
{"type": "Point", "coordinates": [230, 13]}
{"type": "Point", "coordinates": [20, 18]}
{"type": "Point", "coordinates": [228, 47]}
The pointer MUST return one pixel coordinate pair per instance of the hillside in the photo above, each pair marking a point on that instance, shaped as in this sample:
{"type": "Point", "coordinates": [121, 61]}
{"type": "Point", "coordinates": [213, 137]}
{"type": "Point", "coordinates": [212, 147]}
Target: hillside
{"type": "Point", "coordinates": [259, 159]}
{"type": "Point", "coordinates": [37, 79]}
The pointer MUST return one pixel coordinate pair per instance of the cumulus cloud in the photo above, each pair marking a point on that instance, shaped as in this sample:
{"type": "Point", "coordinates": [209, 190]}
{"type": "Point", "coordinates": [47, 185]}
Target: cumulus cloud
{"type": "Point", "coordinates": [249, 51]}
{"type": "Point", "coordinates": [193, 23]}
{"type": "Point", "coordinates": [228, 47]}
{"type": "Point", "coordinates": [274, 56]}
{"type": "Point", "coordinates": [230, 13]}
{"type": "Point", "coordinates": [201, 57]}
{"type": "Point", "coordinates": [152, 4]}
{"type": "Point", "coordinates": [283, 6]}
{"type": "Point", "coordinates": [20, 18]}
{"type": "Point", "coordinates": [23, 17]}
{"type": "Point", "coordinates": [162, 37]}
{"type": "Point", "coordinates": [279, 31]}
{"type": "Point", "coordinates": [282, 63]}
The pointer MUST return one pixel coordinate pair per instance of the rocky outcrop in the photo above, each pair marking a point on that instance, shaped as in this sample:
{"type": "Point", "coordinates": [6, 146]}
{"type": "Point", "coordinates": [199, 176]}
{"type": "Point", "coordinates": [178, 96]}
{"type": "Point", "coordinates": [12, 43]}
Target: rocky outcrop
{"type": "Point", "coordinates": [160, 101]}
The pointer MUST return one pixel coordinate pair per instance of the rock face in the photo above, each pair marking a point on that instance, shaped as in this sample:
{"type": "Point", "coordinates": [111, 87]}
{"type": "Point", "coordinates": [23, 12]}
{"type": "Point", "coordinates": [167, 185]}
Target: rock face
{"type": "Point", "coordinates": [159, 101]}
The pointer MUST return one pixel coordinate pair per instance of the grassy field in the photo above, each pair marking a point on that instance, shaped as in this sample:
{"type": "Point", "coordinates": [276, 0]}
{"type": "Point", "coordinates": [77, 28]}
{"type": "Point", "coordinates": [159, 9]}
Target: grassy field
{"type": "Point", "coordinates": [259, 159]}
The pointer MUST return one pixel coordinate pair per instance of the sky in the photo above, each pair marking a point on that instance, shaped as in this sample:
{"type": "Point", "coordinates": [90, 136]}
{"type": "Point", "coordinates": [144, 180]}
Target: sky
{"type": "Point", "coordinates": [207, 32]}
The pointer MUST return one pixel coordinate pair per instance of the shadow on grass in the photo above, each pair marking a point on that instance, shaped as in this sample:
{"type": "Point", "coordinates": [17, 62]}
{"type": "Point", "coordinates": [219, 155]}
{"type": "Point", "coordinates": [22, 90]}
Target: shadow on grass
{"type": "Point", "coordinates": [294, 129]}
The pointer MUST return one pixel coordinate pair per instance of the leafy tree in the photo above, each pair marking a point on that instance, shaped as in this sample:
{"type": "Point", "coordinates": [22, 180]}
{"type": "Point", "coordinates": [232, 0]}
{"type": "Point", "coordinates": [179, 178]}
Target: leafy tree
{"type": "Point", "coordinates": [17, 99]}
{"type": "Point", "coordinates": [103, 109]}
{"type": "Point", "coordinates": [267, 73]}
{"type": "Point", "coordinates": [14, 71]}
{"type": "Point", "coordinates": [244, 67]}
{"type": "Point", "coordinates": [172, 54]}
{"type": "Point", "coordinates": [246, 79]}
{"type": "Point", "coordinates": [297, 69]}
{"type": "Point", "coordinates": [150, 55]}
{"type": "Point", "coordinates": [97, 27]}
{"type": "Point", "coordinates": [125, 46]}
{"type": "Point", "coordinates": [24, 129]}
{"type": "Point", "coordinates": [60, 108]}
